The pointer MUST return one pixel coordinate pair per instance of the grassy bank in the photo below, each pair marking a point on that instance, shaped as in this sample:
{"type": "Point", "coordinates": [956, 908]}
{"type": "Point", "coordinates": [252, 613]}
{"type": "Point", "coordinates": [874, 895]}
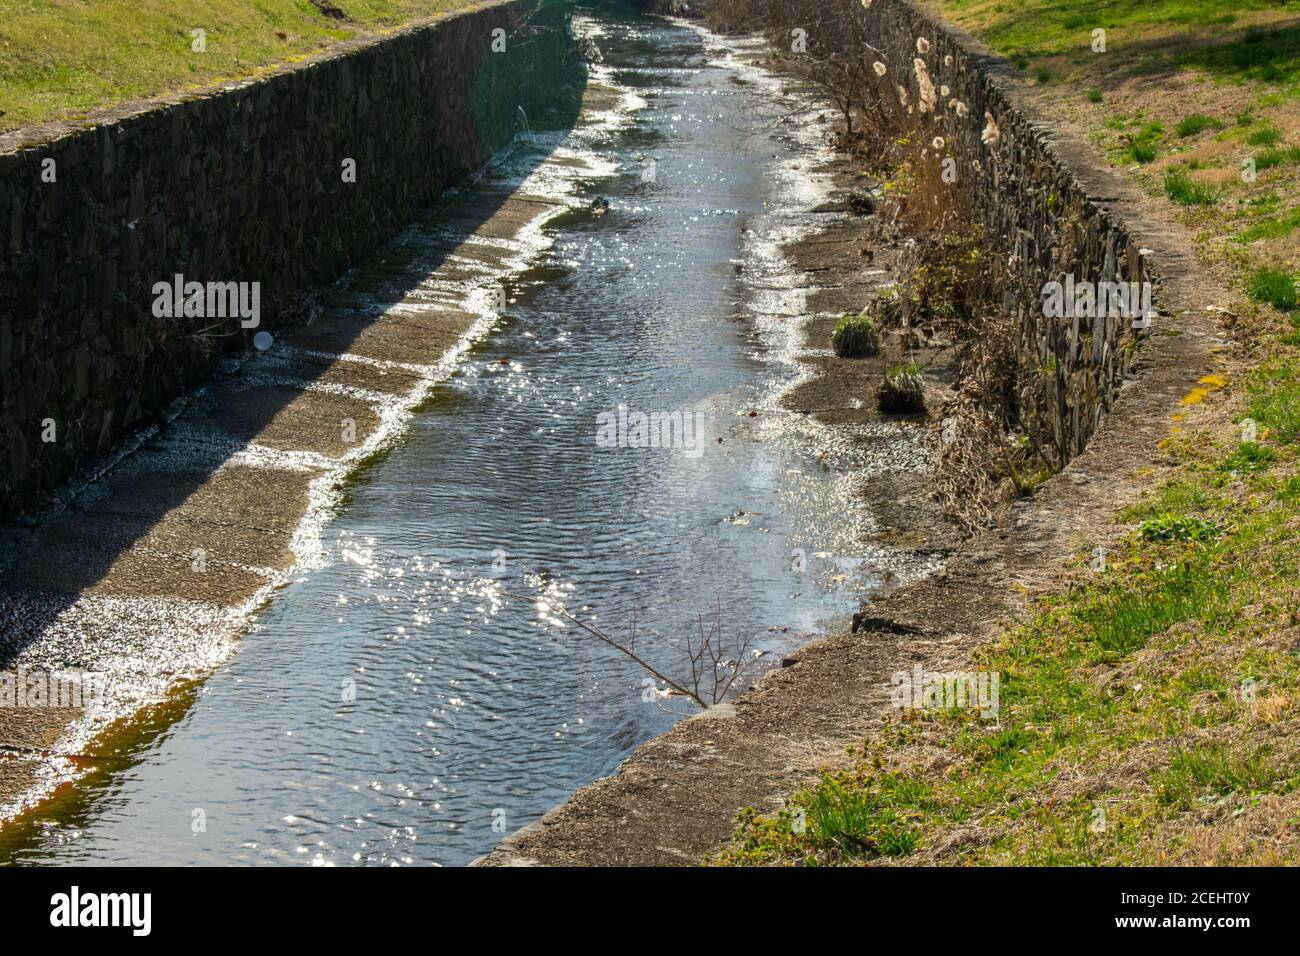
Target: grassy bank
{"type": "Point", "coordinates": [1149, 706]}
{"type": "Point", "coordinates": [1147, 711]}
{"type": "Point", "coordinates": [1199, 101]}
{"type": "Point", "coordinates": [64, 59]}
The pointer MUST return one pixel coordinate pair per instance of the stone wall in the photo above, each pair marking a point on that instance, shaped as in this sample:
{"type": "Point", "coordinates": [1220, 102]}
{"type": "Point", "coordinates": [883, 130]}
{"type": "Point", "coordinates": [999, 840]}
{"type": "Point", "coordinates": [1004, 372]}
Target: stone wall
{"type": "Point", "coordinates": [1037, 213]}
{"type": "Point", "coordinates": [244, 184]}
{"type": "Point", "coordinates": [1027, 193]}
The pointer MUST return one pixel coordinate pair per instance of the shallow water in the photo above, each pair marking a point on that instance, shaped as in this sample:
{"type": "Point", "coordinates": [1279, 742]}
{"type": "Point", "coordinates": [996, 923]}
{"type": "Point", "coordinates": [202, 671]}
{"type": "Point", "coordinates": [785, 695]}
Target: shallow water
{"type": "Point", "coordinates": [392, 706]}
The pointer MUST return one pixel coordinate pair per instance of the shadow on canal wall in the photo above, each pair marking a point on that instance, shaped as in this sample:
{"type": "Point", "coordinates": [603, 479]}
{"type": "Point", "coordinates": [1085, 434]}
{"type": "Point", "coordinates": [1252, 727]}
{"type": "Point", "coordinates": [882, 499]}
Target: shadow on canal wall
{"type": "Point", "coordinates": [241, 185]}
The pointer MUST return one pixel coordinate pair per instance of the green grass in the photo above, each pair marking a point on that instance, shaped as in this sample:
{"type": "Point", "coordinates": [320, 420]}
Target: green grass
{"type": "Point", "coordinates": [1269, 158]}
{"type": "Point", "coordinates": [1094, 95]}
{"type": "Point", "coordinates": [1191, 125]}
{"type": "Point", "coordinates": [1176, 497]}
{"type": "Point", "coordinates": [1142, 145]}
{"type": "Point", "coordinates": [1212, 771]}
{"type": "Point", "coordinates": [1274, 286]}
{"type": "Point", "coordinates": [860, 823]}
{"type": "Point", "coordinates": [1042, 27]}
{"type": "Point", "coordinates": [1031, 29]}
{"type": "Point", "coordinates": [843, 818]}
{"type": "Point", "coordinates": [1271, 227]}
{"type": "Point", "coordinates": [1264, 136]}
{"type": "Point", "coordinates": [1185, 191]}
{"type": "Point", "coordinates": [1249, 457]}
{"type": "Point", "coordinates": [1121, 620]}
{"type": "Point", "coordinates": [1174, 527]}
{"type": "Point", "coordinates": [63, 59]}
{"type": "Point", "coordinates": [1261, 56]}
{"type": "Point", "coordinates": [1273, 399]}
{"type": "Point", "coordinates": [1142, 152]}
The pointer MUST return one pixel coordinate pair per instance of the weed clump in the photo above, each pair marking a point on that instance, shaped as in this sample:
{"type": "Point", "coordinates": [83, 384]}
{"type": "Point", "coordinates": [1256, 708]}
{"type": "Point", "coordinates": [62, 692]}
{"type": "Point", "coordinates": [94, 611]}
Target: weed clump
{"type": "Point", "coordinates": [856, 336]}
{"type": "Point", "coordinates": [1273, 156]}
{"type": "Point", "coordinates": [1264, 136]}
{"type": "Point", "coordinates": [1273, 286]}
{"type": "Point", "coordinates": [902, 390]}
{"type": "Point", "coordinates": [1191, 125]}
{"type": "Point", "coordinates": [1185, 191]}
{"type": "Point", "coordinates": [1142, 145]}
{"type": "Point", "coordinates": [1171, 527]}
{"type": "Point", "coordinates": [1251, 456]}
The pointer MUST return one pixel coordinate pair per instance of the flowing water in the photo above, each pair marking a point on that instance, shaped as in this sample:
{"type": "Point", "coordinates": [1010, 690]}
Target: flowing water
{"type": "Point", "coordinates": [392, 705]}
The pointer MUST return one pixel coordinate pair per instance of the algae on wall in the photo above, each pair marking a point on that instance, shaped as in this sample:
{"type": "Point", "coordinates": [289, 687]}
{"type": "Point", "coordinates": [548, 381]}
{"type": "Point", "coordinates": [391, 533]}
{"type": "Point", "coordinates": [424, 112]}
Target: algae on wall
{"type": "Point", "coordinates": [549, 97]}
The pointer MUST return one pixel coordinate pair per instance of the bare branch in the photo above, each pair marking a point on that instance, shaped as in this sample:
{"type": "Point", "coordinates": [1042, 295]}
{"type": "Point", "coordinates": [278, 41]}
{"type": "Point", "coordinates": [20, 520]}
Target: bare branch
{"type": "Point", "coordinates": [714, 669]}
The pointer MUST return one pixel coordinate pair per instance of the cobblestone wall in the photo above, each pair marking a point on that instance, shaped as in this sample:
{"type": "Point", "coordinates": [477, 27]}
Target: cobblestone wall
{"type": "Point", "coordinates": [244, 184]}
{"type": "Point", "coordinates": [1036, 212]}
